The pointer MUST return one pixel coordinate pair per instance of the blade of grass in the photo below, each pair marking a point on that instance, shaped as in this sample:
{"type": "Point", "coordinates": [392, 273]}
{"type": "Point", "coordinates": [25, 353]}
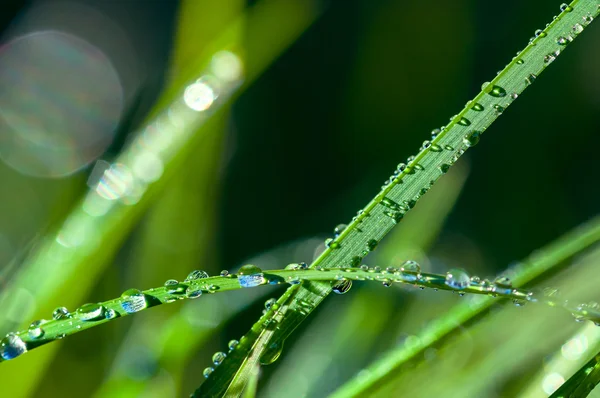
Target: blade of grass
{"type": "Point", "coordinates": [539, 263]}
{"type": "Point", "coordinates": [411, 181]}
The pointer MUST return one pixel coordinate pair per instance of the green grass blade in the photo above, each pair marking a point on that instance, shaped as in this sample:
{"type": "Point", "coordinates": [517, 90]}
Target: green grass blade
{"type": "Point", "coordinates": [539, 263]}
{"type": "Point", "coordinates": [583, 382]}
{"type": "Point", "coordinates": [412, 180]}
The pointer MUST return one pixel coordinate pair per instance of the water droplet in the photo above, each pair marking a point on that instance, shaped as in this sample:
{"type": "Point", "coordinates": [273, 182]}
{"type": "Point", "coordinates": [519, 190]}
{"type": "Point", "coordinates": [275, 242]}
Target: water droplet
{"type": "Point", "coordinates": [250, 275]}
{"type": "Point", "coordinates": [577, 28]}
{"type": "Point", "coordinates": [448, 147]}
{"type": "Point", "coordinates": [425, 145]}
{"type": "Point", "coordinates": [337, 231]}
{"type": "Point", "coordinates": [436, 148]}
{"type": "Point", "coordinates": [61, 313]}
{"type": "Point", "coordinates": [484, 85]}
{"type": "Point", "coordinates": [588, 18]}
{"type": "Point", "coordinates": [444, 167]}
{"type": "Point", "coordinates": [232, 344]}
{"type": "Point", "coordinates": [562, 41]}
{"type": "Point", "coordinates": [133, 301]}
{"type": "Point", "coordinates": [520, 62]}
{"type": "Point", "coordinates": [498, 108]}
{"type": "Point", "coordinates": [549, 58]}
{"type": "Point", "coordinates": [410, 271]}
{"type": "Point", "coordinates": [110, 314]}
{"type": "Point", "coordinates": [271, 303]}
{"type": "Point", "coordinates": [207, 372]}
{"type": "Point", "coordinates": [35, 330]}
{"type": "Point", "coordinates": [12, 346]}
{"type": "Point", "coordinates": [540, 33]}
{"type": "Point", "coordinates": [174, 287]}
{"type": "Point", "coordinates": [330, 243]}
{"type": "Point", "coordinates": [372, 244]}
{"type": "Point", "coordinates": [457, 279]}
{"type": "Point", "coordinates": [477, 107]}
{"type": "Point", "coordinates": [471, 139]}
{"type": "Point", "coordinates": [218, 358]}
{"type": "Point", "coordinates": [565, 7]}
{"type": "Point", "coordinates": [91, 312]}
{"type": "Point", "coordinates": [195, 275]}
{"type": "Point", "coordinates": [193, 292]}
{"type": "Point", "coordinates": [435, 132]}
{"type": "Point", "coordinates": [503, 281]}
{"type": "Point", "coordinates": [342, 286]}
{"type": "Point", "coordinates": [272, 353]}
{"type": "Point", "coordinates": [464, 121]}
{"type": "Point", "coordinates": [497, 91]}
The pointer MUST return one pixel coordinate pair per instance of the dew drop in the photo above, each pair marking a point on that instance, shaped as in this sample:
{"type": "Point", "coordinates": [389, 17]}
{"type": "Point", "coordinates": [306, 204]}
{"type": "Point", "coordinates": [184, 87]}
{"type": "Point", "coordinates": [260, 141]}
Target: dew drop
{"type": "Point", "coordinates": [193, 292]}
{"type": "Point", "coordinates": [435, 132]}
{"type": "Point", "coordinates": [195, 275]}
{"type": "Point", "coordinates": [12, 346]}
{"type": "Point", "coordinates": [272, 353]}
{"type": "Point", "coordinates": [337, 231]}
{"type": "Point", "coordinates": [332, 244]}
{"type": "Point", "coordinates": [110, 314]}
{"type": "Point", "coordinates": [457, 279]}
{"type": "Point", "coordinates": [530, 79]}
{"type": "Point", "coordinates": [35, 330]}
{"type": "Point", "coordinates": [410, 271]}
{"type": "Point", "coordinates": [271, 303]}
{"type": "Point", "coordinates": [498, 108]}
{"type": "Point", "coordinates": [497, 91]}
{"type": "Point", "coordinates": [520, 62]}
{"type": "Point", "coordinates": [477, 107]}
{"type": "Point", "coordinates": [61, 313]}
{"type": "Point", "coordinates": [232, 344]}
{"type": "Point", "coordinates": [471, 139]}
{"type": "Point", "coordinates": [372, 244]}
{"type": "Point", "coordinates": [464, 121]}
{"type": "Point", "coordinates": [207, 372]}
{"type": "Point", "coordinates": [577, 28]}
{"type": "Point", "coordinates": [484, 85]}
{"type": "Point", "coordinates": [444, 167]}
{"type": "Point", "coordinates": [503, 281]}
{"type": "Point", "coordinates": [540, 33]}
{"type": "Point", "coordinates": [133, 301]}
{"type": "Point", "coordinates": [250, 275]}
{"type": "Point", "coordinates": [562, 41]}
{"type": "Point", "coordinates": [218, 358]}
{"type": "Point", "coordinates": [436, 148]}
{"type": "Point", "coordinates": [91, 312]}
{"type": "Point", "coordinates": [588, 18]}
{"type": "Point", "coordinates": [342, 286]}
{"type": "Point", "coordinates": [565, 7]}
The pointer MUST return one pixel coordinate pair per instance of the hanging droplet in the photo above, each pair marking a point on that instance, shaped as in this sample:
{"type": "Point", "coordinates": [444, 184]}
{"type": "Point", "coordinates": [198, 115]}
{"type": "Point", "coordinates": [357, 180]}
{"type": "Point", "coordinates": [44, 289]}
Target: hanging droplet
{"type": "Point", "coordinates": [218, 358]}
{"type": "Point", "coordinates": [250, 275]}
{"type": "Point", "coordinates": [457, 279]}
{"type": "Point", "coordinates": [12, 346]}
{"type": "Point", "coordinates": [271, 303]}
{"type": "Point", "coordinates": [342, 286]}
{"type": "Point", "coordinates": [133, 301]}
{"type": "Point", "coordinates": [471, 139]}
{"type": "Point", "coordinates": [565, 7]}
{"type": "Point", "coordinates": [497, 91]}
{"type": "Point", "coordinates": [410, 271]}
{"type": "Point", "coordinates": [444, 167]}
{"type": "Point", "coordinates": [207, 372]}
{"type": "Point", "coordinates": [91, 312]}
{"type": "Point", "coordinates": [232, 344]}
{"type": "Point", "coordinates": [372, 244]}
{"type": "Point", "coordinates": [332, 244]}
{"type": "Point", "coordinates": [337, 231]}
{"type": "Point", "coordinates": [61, 313]}
{"type": "Point", "coordinates": [272, 353]}
{"type": "Point", "coordinates": [477, 107]}
{"type": "Point", "coordinates": [193, 292]}
{"type": "Point", "coordinates": [35, 330]}
{"type": "Point", "coordinates": [195, 275]}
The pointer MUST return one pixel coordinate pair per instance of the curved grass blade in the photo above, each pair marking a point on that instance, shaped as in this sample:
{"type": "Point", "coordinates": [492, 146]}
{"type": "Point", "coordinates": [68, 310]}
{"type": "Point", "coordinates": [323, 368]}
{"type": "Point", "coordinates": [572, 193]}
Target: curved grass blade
{"type": "Point", "coordinates": [412, 180]}
{"type": "Point", "coordinates": [538, 264]}
{"type": "Point", "coordinates": [583, 382]}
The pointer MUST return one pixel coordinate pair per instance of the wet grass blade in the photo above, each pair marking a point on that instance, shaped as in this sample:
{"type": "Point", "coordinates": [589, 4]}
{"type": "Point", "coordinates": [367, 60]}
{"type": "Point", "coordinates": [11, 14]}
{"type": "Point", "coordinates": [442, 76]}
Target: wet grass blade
{"type": "Point", "coordinates": [412, 180]}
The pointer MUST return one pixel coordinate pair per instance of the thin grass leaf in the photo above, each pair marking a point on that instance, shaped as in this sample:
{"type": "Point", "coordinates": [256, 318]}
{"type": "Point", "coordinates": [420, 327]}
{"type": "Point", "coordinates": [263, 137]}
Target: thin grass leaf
{"type": "Point", "coordinates": [541, 262]}
{"type": "Point", "coordinates": [583, 382]}
{"type": "Point", "coordinates": [412, 180]}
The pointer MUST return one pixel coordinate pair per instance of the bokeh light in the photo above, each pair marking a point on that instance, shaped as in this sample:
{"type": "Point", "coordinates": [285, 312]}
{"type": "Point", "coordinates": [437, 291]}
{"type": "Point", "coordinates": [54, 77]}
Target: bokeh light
{"type": "Point", "coordinates": [60, 104]}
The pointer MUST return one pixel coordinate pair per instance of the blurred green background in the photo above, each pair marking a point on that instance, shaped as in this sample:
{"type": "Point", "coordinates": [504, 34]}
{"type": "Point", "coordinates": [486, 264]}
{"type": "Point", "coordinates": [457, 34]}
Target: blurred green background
{"type": "Point", "coordinates": [337, 93]}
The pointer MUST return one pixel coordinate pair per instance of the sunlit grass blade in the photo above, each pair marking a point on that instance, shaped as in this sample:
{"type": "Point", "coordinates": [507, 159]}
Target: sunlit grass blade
{"type": "Point", "coordinates": [412, 180]}
{"type": "Point", "coordinates": [541, 262]}
{"type": "Point", "coordinates": [583, 382]}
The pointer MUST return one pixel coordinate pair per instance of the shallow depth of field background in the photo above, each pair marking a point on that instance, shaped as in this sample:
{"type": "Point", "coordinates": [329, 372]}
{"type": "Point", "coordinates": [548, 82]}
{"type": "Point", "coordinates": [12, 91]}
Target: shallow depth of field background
{"type": "Point", "coordinates": [302, 146]}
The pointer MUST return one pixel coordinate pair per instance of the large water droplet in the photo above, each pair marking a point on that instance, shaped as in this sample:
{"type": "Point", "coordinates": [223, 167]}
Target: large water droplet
{"type": "Point", "coordinates": [566, 7]}
{"type": "Point", "coordinates": [174, 287]}
{"type": "Point", "coordinates": [410, 271]}
{"type": "Point", "coordinates": [272, 353]}
{"type": "Point", "coordinates": [457, 279]}
{"type": "Point", "coordinates": [337, 231]}
{"type": "Point", "coordinates": [372, 244]}
{"type": "Point", "coordinates": [195, 275]}
{"type": "Point", "coordinates": [35, 330]}
{"type": "Point", "coordinates": [577, 28]}
{"type": "Point", "coordinates": [12, 346]}
{"type": "Point", "coordinates": [477, 107]}
{"type": "Point", "coordinates": [250, 275]}
{"type": "Point", "coordinates": [342, 286]}
{"type": "Point", "coordinates": [207, 372]}
{"type": "Point", "coordinates": [232, 344]}
{"type": "Point", "coordinates": [444, 167]}
{"type": "Point", "coordinates": [133, 301]}
{"type": "Point", "coordinates": [61, 313]}
{"type": "Point", "coordinates": [193, 292]}
{"type": "Point", "coordinates": [218, 358]}
{"type": "Point", "coordinates": [471, 139]}
{"type": "Point", "coordinates": [497, 91]}
{"type": "Point", "coordinates": [91, 312]}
